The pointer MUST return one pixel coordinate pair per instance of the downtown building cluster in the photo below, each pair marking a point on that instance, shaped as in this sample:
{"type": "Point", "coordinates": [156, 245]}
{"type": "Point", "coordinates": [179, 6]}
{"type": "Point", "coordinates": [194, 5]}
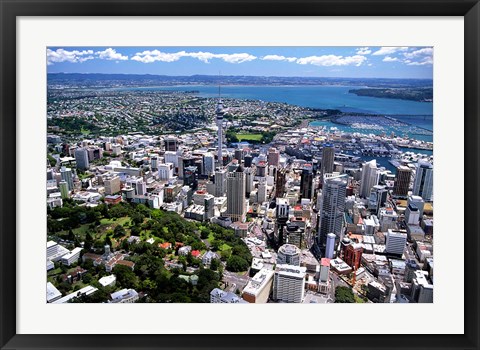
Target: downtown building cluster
{"type": "Point", "coordinates": [314, 216]}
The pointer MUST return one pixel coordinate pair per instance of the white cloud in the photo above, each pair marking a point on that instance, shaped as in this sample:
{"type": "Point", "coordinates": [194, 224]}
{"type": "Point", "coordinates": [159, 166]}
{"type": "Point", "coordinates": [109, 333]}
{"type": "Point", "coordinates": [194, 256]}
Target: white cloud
{"type": "Point", "coordinates": [388, 50]}
{"type": "Point", "coordinates": [278, 58]}
{"type": "Point", "coordinates": [390, 59]}
{"type": "Point", "coordinates": [364, 51]}
{"type": "Point", "coordinates": [428, 51]}
{"type": "Point", "coordinates": [156, 55]}
{"type": "Point", "coordinates": [332, 60]}
{"type": "Point", "coordinates": [422, 62]}
{"type": "Point", "coordinates": [236, 57]}
{"type": "Point", "coordinates": [111, 55]}
{"type": "Point", "coordinates": [61, 55]}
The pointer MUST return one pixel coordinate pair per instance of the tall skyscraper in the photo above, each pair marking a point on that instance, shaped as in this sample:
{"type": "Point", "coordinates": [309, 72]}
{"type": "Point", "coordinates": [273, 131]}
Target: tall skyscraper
{"type": "Point", "coordinates": [208, 163]}
{"type": "Point", "coordinates": [220, 182]}
{"type": "Point", "coordinates": [249, 175]}
{"type": "Point", "coordinates": [370, 177]}
{"type": "Point", "coordinates": [247, 160]}
{"type": "Point", "coordinates": [273, 157]}
{"type": "Point", "coordinates": [238, 155]}
{"type": "Point", "coordinates": [262, 192]}
{"type": "Point", "coordinates": [423, 184]}
{"type": "Point", "coordinates": [81, 157]}
{"type": "Point", "coordinates": [329, 251]}
{"type": "Point", "coordinates": [332, 206]}
{"type": "Point", "coordinates": [63, 189]}
{"type": "Point", "coordinates": [236, 206]}
{"type": "Point", "coordinates": [402, 182]}
{"type": "Point", "coordinates": [165, 171]}
{"type": "Point", "coordinates": [171, 144]}
{"type": "Point", "coordinates": [190, 177]}
{"type": "Point", "coordinates": [328, 157]}
{"type": "Point", "coordinates": [306, 182]}
{"type": "Point", "coordinates": [280, 180]}
{"type": "Point", "coordinates": [219, 112]}
{"type": "Point", "coordinates": [282, 215]}
{"type": "Point", "coordinates": [66, 174]}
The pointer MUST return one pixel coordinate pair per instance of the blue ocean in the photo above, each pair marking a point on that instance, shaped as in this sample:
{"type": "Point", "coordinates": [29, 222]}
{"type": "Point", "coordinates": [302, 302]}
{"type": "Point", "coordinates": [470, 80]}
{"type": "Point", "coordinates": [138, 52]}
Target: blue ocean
{"type": "Point", "coordinates": [319, 96]}
{"type": "Point", "coordinates": [324, 97]}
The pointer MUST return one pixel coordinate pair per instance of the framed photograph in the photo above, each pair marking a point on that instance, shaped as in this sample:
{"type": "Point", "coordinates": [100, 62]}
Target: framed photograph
{"type": "Point", "coordinates": [274, 155]}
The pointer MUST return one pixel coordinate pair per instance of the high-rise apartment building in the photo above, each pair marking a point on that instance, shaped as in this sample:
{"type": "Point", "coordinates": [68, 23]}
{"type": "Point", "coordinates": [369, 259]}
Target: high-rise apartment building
{"type": "Point", "coordinates": [66, 174]}
{"type": "Point", "coordinates": [402, 181]}
{"type": "Point", "coordinates": [370, 175]}
{"type": "Point", "coordinates": [423, 184]}
{"type": "Point", "coordinates": [328, 157]}
{"type": "Point", "coordinates": [236, 206]}
{"type": "Point", "coordinates": [220, 182]}
{"type": "Point", "coordinates": [165, 171]}
{"type": "Point", "coordinates": [332, 206]}
{"type": "Point", "coordinates": [171, 144]}
{"type": "Point", "coordinates": [306, 182]}
{"type": "Point", "coordinates": [395, 242]}
{"type": "Point", "coordinates": [208, 164]}
{"type": "Point", "coordinates": [81, 157]}
{"type": "Point", "coordinates": [289, 283]}
{"type": "Point", "coordinates": [273, 157]}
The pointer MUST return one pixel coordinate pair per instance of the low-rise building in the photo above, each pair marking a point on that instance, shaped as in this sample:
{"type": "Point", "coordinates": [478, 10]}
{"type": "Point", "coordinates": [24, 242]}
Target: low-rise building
{"type": "Point", "coordinates": [53, 294]}
{"type": "Point", "coordinates": [258, 288]}
{"type": "Point", "coordinates": [71, 257]}
{"type": "Point", "coordinates": [107, 281]}
{"type": "Point", "coordinates": [219, 296]}
{"type": "Point", "coordinates": [124, 296]}
{"type": "Point", "coordinates": [208, 256]}
{"type": "Point", "coordinates": [340, 266]}
{"type": "Point", "coordinates": [88, 290]}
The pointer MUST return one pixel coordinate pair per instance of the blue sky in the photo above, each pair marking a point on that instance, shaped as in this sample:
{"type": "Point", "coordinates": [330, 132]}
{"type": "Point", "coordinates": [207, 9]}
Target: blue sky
{"type": "Point", "coordinates": [353, 62]}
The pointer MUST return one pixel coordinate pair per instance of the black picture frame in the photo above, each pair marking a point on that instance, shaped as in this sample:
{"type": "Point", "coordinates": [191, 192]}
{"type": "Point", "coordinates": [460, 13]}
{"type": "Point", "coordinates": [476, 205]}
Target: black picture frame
{"type": "Point", "coordinates": [9, 10]}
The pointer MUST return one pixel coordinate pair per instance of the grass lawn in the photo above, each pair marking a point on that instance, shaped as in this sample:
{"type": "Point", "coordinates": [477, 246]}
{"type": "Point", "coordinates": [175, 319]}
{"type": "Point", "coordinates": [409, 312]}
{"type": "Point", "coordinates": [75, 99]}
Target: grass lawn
{"type": "Point", "coordinates": [211, 237]}
{"type": "Point", "coordinates": [225, 246]}
{"type": "Point", "coordinates": [249, 137]}
{"type": "Point", "coordinates": [119, 221]}
{"type": "Point", "coordinates": [358, 299]}
{"type": "Point", "coordinates": [54, 272]}
{"type": "Point", "coordinates": [84, 131]}
{"type": "Point", "coordinates": [79, 231]}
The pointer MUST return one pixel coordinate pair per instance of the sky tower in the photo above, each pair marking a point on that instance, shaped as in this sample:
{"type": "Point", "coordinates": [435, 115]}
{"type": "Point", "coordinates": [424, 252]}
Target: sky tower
{"type": "Point", "coordinates": [219, 111]}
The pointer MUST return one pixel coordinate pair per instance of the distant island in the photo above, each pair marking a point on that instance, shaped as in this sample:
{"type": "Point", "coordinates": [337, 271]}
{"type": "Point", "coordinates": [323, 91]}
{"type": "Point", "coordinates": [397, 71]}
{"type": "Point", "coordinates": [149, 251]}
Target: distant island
{"type": "Point", "coordinates": [413, 94]}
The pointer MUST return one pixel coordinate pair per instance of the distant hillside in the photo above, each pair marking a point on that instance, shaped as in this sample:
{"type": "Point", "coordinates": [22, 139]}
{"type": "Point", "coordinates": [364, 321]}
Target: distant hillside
{"type": "Point", "coordinates": [95, 79]}
{"type": "Point", "coordinates": [413, 94]}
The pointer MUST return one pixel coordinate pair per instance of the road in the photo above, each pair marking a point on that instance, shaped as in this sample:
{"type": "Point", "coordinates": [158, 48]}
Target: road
{"type": "Point", "coordinates": [232, 278]}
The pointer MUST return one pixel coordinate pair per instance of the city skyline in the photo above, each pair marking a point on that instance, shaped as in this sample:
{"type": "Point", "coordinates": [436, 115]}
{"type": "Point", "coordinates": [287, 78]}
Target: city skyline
{"type": "Point", "coordinates": [342, 62]}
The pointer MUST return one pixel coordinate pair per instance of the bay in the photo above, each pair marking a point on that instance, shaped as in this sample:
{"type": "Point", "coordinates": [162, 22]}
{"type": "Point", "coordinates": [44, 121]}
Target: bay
{"type": "Point", "coordinates": [318, 96]}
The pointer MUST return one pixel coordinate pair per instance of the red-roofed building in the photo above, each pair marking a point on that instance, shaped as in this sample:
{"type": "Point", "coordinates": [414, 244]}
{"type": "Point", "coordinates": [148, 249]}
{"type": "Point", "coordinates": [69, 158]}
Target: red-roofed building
{"type": "Point", "coordinates": [195, 253]}
{"type": "Point", "coordinates": [113, 199]}
{"type": "Point", "coordinates": [127, 263]}
{"type": "Point", "coordinates": [165, 245]}
{"type": "Point", "coordinates": [325, 262]}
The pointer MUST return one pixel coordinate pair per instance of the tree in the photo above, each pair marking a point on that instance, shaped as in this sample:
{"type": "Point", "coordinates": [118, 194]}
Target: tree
{"type": "Point", "coordinates": [119, 231]}
{"type": "Point", "coordinates": [125, 276]}
{"type": "Point", "coordinates": [344, 295]}
{"type": "Point", "coordinates": [88, 241]}
{"type": "Point", "coordinates": [237, 264]}
{"type": "Point", "coordinates": [214, 264]}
